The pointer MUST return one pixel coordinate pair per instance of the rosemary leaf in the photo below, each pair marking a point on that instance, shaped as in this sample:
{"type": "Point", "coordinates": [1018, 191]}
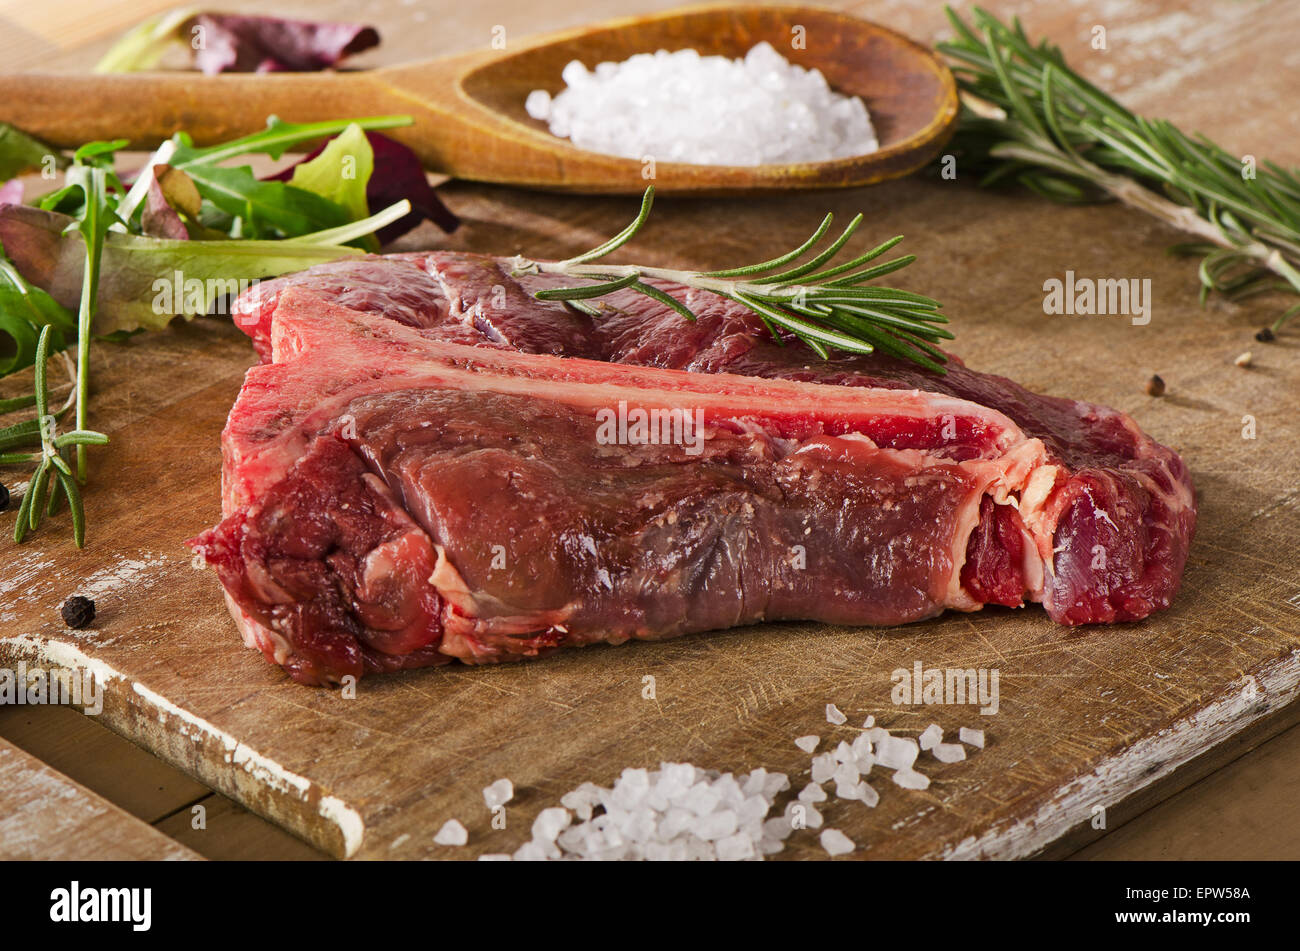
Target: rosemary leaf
{"type": "Point", "coordinates": [75, 505]}
{"type": "Point", "coordinates": [821, 313]}
{"type": "Point", "coordinates": [588, 291]}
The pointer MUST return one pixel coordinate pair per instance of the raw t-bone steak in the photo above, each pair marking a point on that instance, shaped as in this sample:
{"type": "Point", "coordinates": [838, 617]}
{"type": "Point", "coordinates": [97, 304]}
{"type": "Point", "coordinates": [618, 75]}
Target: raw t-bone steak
{"type": "Point", "coordinates": [432, 465]}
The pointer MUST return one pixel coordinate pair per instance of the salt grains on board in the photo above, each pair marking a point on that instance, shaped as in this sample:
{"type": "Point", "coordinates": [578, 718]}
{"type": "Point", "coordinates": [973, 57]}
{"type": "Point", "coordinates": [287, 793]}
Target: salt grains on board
{"type": "Point", "coordinates": [896, 752]}
{"type": "Point", "coordinates": [451, 833]}
{"type": "Point", "coordinates": [949, 752]}
{"type": "Point", "coordinates": [836, 842]}
{"type": "Point", "coordinates": [706, 110]}
{"type": "Point", "coordinates": [499, 793]}
{"type": "Point", "coordinates": [683, 812]}
{"type": "Point", "coordinates": [676, 812]}
{"type": "Point", "coordinates": [910, 779]}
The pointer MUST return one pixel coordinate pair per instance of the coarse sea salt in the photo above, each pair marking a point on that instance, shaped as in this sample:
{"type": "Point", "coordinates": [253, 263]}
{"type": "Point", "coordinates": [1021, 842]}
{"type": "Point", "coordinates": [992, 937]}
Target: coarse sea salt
{"type": "Point", "coordinates": [836, 842]}
{"type": "Point", "coordinates": [896, 752]}
{"type": "Point", "coordinates": [949, 752]}
{"type": "Point", "coordinates": [451, 833]}
{"type": "Point", "coordinates": [680, 812]}
{"type": "Point", "coordinates": [909, 778]}
{"type": "Point", "coordinates": [813, 792]}
{"type": "Point", "coordinates": [676, 812]}
{"type": "Point", "coordinates": [706, 110]}
{"type": "Point", "coordinates": [499, 793]}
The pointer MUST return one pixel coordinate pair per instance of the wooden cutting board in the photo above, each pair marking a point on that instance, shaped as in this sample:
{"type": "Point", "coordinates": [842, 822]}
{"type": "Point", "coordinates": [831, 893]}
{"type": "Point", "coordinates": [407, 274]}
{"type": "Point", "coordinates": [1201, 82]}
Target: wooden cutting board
{"type": "Point", "coordinates": [1088, 719]}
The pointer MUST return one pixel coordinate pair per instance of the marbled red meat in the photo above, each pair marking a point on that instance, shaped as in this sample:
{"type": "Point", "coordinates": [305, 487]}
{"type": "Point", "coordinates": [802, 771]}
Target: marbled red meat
{"type": "Point", "coordinates": [414, 476]}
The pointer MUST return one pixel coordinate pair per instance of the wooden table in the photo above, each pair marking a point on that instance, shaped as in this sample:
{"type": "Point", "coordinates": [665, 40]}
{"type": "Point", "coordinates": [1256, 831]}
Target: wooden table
{"type": "Point", "coordinates": [985, 256]}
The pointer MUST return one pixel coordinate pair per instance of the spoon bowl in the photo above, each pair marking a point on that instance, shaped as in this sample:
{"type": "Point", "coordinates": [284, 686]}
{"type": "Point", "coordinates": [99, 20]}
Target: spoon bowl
{"type": "Point", "coordinates": [469, 113]}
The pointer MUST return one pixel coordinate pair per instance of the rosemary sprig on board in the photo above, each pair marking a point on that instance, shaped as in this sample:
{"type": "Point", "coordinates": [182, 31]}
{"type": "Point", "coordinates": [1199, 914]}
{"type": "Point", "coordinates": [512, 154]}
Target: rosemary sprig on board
{"type": "Point", "coordinates": [822, 304]}
{"type": "Point", "coordinates": [54, 470]}
{"type": "Point", "coordinates": [1031, 118]}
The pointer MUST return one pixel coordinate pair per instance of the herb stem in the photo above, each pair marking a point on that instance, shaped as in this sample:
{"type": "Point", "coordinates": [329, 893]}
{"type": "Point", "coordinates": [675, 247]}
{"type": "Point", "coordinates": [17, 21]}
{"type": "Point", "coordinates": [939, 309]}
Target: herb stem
{"type": "Point", "coordinates": [826, 308]}
{"type": "Point", "coordinates": [1030, 117]}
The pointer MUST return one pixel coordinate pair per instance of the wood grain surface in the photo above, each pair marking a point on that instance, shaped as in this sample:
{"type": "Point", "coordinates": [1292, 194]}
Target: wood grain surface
{"type": "Point", "coordinates": [45, 815]}
{"type": "Point", "coordinates": [1088, 718]}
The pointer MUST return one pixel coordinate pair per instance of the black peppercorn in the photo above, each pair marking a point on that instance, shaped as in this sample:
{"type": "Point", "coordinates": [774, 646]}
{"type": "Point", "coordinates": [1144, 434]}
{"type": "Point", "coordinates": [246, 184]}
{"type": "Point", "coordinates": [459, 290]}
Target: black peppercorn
{"type": "Point", "coordinates": [4, 497]}
{"type": "Point", "coordinates": [78, 612]}
{"type": "Point", "coordinates": [1265, 335]}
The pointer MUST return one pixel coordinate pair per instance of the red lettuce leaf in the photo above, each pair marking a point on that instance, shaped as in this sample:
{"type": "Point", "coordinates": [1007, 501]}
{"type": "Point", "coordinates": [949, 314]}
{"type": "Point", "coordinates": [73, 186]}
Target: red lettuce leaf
{"type": "Point", "coordinates": [398, 174]}
{"type": "Point", "coordinates": [248, 44]}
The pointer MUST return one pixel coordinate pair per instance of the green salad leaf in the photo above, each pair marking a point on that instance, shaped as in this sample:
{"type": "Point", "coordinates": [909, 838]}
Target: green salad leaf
{"type": "Point", "coordinates": [146, 282]}
{"type": "Point", "coordinates": [24, 310]}
{"type": "Point", "coordinates": [21, 153]}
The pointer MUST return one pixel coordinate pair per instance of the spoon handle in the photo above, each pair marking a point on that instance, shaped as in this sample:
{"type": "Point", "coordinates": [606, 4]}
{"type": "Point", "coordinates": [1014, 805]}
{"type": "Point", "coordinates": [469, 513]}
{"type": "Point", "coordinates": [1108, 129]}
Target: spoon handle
{"type": "Point", "coordinates": [68, 110]}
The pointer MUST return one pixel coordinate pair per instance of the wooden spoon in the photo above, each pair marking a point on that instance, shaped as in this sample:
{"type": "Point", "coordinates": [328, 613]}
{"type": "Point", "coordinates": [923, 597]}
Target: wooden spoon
{"type": "Point", "coordinates": [469, 109]}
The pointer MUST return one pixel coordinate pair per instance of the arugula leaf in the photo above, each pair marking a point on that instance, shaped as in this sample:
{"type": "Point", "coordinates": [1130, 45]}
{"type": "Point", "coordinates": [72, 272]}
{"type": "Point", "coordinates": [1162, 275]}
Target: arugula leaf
{"type": "Point", "coordinates": [268, 209]}
{"type": "Point", "coordinates": [277, 138]}
{"type": "Point", "coordinates": [99, 154]}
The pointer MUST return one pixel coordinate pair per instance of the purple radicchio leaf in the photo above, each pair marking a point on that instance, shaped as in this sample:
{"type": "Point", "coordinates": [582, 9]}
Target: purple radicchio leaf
{"type": "Point", "coordinates": [247, 44]}
{"type": "Point", "coordinates": [11, 192]}
{"type": "Point", "coordinates": [398, 174]}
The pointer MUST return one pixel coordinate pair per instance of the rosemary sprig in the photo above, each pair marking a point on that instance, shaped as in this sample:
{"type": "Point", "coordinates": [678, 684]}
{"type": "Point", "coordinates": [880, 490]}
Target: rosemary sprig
{"type": "Point", "coordinates": [1031, 118]}
{"type": "Point", "coordinates": [53, 472]}
{"type": "Point", "coordinates": [826, 307]}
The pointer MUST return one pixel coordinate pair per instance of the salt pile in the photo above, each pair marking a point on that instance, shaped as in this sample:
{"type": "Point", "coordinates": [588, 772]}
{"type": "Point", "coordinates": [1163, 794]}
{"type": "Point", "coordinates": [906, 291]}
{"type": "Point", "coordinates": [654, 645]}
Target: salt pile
{"type": "Point", "coordinates": [675, 812]}
{"type": "Point", "coordinates": [682, 812]}
{"type": "Point", "coordinates": [706, 110]}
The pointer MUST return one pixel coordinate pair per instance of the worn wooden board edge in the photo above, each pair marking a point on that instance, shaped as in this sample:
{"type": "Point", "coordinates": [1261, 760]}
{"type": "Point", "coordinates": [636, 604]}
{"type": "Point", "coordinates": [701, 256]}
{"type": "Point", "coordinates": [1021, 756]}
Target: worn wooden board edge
{"type": "Point", "coordinates": [49, 817]}
{"type": "Point", "coordinates": [304, 808]}
{"type": "Point", "coordinates": [1077, 845]}
{"type": "Point", "coordinates": [193, 745]}
{"type": "Point", "coordinates": [1252, 698]}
